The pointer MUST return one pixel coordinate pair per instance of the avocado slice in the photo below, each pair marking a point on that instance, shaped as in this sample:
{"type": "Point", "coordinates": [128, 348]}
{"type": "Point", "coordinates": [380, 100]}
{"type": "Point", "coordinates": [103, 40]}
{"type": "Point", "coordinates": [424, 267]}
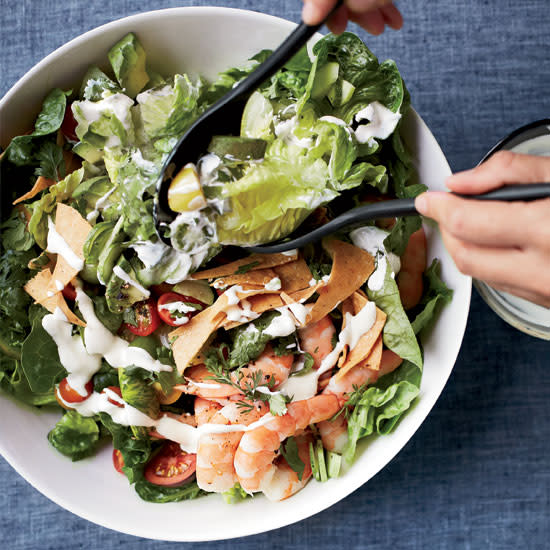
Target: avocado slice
{"type": "Point", "coordinates": [200, 290]}
{"type": "Point", "coordinates": [88, 152]}
{"type": "Point", "coordinates": [242, 148]}
{"type": "Point", "coordinates": [120, 294]}
{"type": "Point", "coordinates": [128, 60]}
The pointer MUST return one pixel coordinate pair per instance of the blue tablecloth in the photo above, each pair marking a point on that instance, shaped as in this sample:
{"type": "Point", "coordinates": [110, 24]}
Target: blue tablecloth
{"type": "Point", "coordinates": [477, 473]}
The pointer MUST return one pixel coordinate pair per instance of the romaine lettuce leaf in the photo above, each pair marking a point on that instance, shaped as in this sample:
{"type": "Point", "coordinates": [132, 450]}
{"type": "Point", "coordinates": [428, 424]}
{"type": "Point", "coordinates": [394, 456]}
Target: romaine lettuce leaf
{"type": "Point", "coordinates": [398, 334]}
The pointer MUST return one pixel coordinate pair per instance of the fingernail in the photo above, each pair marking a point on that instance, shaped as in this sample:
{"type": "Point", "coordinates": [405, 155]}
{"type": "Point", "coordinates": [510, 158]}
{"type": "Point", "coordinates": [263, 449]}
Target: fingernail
{"type": "Point", "coordinates": [422, 204]}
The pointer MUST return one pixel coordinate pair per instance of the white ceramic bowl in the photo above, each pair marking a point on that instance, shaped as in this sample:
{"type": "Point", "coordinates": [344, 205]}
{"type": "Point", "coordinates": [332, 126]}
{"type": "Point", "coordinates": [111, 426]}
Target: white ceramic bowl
{"type": "Point", "coordinates": [205, 40]}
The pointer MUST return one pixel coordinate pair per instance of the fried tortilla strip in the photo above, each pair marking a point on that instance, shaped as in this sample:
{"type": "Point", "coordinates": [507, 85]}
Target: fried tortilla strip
{"type": "Point", "coordinates": [365, 344]}
{"type": "Point", "coordinates": [74, 229]}
{"type": "Point", "coordinates": [265, 302]}
{"type": "Point", "coordinates": [253, 262]}
{"type": "Point", "coordinates": [40, 184]}
{"type": "Point", "coordinates": [258, 278]}
{"type": "Point", "coordinates": [37, 288]}
{"type": "Point", "coordinates": [351, 267]}
{"type": "Point", "coordinates": [294, 275]}
{"type": "Point", "coordinates": [191, 337]}
{"type": "Point", "coordinates": [372, 361]}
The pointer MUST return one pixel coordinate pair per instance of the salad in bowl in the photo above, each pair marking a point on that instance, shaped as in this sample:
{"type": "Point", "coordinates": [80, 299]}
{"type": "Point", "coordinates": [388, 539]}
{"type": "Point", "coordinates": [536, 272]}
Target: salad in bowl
{"type": "Point", "coordinates": [210, 369]}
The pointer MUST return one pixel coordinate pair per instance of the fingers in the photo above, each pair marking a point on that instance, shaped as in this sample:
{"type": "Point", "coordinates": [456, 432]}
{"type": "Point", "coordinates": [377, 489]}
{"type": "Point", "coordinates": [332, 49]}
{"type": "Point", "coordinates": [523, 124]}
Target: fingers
{"type": "Point", "coordinates": [484, 223]}
{"type": "Point", "coordinates": [314, 11]}
{"type": "Point", "coordinates": [372, 15]}
{"type": "Point", "coordinates": [338, 22]}
{"type": "Point", "coordinates": [504, 167]}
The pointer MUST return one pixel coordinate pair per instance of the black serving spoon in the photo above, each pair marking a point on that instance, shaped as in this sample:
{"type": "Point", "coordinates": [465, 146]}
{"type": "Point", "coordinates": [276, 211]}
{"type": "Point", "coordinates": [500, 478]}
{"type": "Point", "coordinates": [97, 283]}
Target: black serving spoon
{"type": "Point", "coordinates": [224, 118]}
{"type": "Point", "coordinates": [397, 207]}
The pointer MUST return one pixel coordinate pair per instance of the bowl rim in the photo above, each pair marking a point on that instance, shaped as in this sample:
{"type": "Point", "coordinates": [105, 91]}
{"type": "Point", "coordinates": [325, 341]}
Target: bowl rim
{"type": "Point", "coordinates": [349, 483]}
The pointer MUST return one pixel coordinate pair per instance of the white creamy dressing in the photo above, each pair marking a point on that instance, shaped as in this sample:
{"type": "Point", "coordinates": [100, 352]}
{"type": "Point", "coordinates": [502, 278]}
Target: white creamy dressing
{"type": "Point", "coordinates": [371, 239]}
{"type": "Point", "coordinates": [382, 122]}
{"type": "Point", "coordinates": [117, 104]}
{"type": "Point", "coordinates": [80, 365]}
{"type": "Point", "coordinates": [58, 245]}
{"type": "Point", "coordinates": [305, 386]}
{"type": "Point", "coordinates": [273, 284]}
{"type": "Point", "coordinates": [116, 351]}
{"type": "Point", "coordinates": [150, 253]}
{"type": "Point", "coordinates": [59, 285]}
{"type": "Point", "coordinates": [99, 205]}
{"type": "Point", "coordinates": [121, 274]}
{"type": "Point", "coordinates": [284, 129]}
{"type": "Point", "coordinates": [204, 385]}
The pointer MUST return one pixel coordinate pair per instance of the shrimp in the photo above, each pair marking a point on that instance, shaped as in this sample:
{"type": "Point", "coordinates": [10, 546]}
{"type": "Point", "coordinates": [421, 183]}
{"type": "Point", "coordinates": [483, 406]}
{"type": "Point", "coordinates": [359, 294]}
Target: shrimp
{"type": "Point", "coordinates": [274, 368]}
{"type": "Point", "coordinates": [334, 433]}
{"type": "Point", "coordinates": [255, 457]}
{"type": "Point", "coordinates": [413, 265]}
{"type": "Point", "coordinates": [216, 451]}
{"type": "Point", "coordinates": [316, 339]}
{"type": "Point", "coordinates": [284, 481]}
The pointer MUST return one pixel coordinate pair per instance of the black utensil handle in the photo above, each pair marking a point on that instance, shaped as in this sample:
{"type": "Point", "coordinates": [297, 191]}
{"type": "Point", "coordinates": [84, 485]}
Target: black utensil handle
{"type": "Point", "coordinates": [399, 208]}
{"type": "Point", "coordinates": [515, 192]}
{"type": "Point", "coordinates": [277, 59]}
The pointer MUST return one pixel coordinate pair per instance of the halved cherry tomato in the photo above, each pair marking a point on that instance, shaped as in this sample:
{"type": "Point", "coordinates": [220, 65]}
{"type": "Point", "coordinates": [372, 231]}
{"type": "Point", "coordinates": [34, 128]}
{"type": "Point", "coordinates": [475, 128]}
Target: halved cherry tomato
{"type": "Point", "coordinates": [114, 389]}
{"type": "Point", "coordinates": [118, 461]}
{"type": "Point", "coordinates": [171, 466]}
{"type": "Point", "coordinates": [70, 395]}
{"type": "Point", "coordinates": [69, 124]}
{"type": "Point", "coordinates": [146, 317]}
{"type": "Point", "coordinates": [69, 292]}
{"type": "Point", "coordinates": [175, 319]}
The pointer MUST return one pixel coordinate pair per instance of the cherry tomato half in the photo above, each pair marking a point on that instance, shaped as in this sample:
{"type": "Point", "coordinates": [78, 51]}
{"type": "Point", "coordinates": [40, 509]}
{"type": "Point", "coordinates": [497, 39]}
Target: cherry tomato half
{"type": "Point", "coordinates": [69, 292]}
{"type": "Point", "coordinates": [70, 395]}
{"type": "Point", "coordinates": [146, 317]}
{"type": "Point", "coordinates": [118, 461]}
{"type": "Point", "coordinates": [171, 466]}
{"type": "Point", "coordinates": [69, 124]}
{"type": "Point", "coordinates": [176, 319]}
{"type": "Point", "coordinates": [114, 389]}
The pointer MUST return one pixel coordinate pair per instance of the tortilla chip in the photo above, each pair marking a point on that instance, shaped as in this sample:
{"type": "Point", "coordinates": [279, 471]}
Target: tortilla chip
{"type": "Point", "coordinates": [366, 343]}
{"type": "Point", "coordinates": [251, 263]}
{"type": "Point", "coordinates": [74, 229]}
{"type": "Point", "coordinates": [40, 184]}
{"type": "Point", "coordinates": [191, 337]}
{"type": "Point", "coordinates": [37, 288]}
{"type": "Point", "coordinates": [372, 361]}
{"type": "Point", "coordinates": [261, 303]}
{"type": "Point", "coordinates": [351, 267]}
{"type": "Point", "coordinates": [294, 275]}
{"type": "Point", "coordinates": [258, 278]}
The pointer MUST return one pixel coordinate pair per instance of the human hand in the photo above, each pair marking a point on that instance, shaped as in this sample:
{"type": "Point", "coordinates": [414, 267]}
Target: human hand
{"type": "Point", "coordinates": [372, 15]}
{"type": "Point", "coordinates": [507, 245]}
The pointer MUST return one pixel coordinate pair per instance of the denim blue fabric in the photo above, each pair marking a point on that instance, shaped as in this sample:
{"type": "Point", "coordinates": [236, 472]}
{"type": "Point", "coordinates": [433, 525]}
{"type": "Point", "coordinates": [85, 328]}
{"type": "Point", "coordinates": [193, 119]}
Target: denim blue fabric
{"type": "Point", "coordinates": [477, 473]}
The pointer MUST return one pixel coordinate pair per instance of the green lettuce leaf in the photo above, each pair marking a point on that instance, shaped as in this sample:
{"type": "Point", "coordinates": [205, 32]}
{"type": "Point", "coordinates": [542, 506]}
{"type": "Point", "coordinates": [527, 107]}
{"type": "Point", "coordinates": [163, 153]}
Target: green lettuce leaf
{"type": "Point", "coordinates": [379, 407]}
{"type": "Point", "coordinates": [135, 450]}
{"type": "Point", "coordinates": [398, 334]}
{"type": "Point", "coordinates": [40, 359]}
{"type": "Point", "coordinates": [158, 493]}
{"type": "Point", "coordinates": [75, 436]}
{"type": "Point", "coordinates": [169, 111]}
{"type": "Point", "coordinates": [436, 293]}
{"type": "Point", "coordinates": [44, 207]}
